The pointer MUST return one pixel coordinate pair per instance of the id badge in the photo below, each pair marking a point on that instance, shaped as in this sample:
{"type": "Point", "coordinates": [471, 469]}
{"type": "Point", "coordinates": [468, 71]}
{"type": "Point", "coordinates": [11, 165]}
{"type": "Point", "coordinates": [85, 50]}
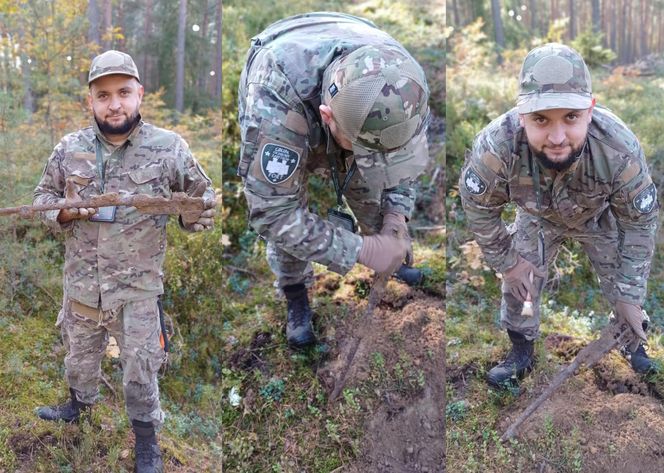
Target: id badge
{"type": "Point", "coordinates": [104, 214]}
{"type": "Point", "coordinates": [341, 219]}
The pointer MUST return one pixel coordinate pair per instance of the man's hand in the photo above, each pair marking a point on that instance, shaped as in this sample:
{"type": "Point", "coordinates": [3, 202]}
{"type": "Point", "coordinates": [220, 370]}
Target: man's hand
{"type": "Point", "coordinates": [204, 220]}
{"type": "Point", "coordinates": [67, 215]}
{"type": "Point", "coordinates": [383, 253]}
{"type": "Point", "coordinates": [633, 316]}
{"type": "Point", "coordinates": [394, 224]}
{"type": "Point", "coordinates": [518, 278]}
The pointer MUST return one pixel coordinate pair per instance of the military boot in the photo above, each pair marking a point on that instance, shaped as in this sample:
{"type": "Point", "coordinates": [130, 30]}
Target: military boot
{"type": "Point", "coordinates": [411, 276]}
{"type": "Point", "coordinates": [519, 360]}
{"type": "Point", "coordinates": [640, 361]}
{"type": "Point", "coordinates": [299, 331]}
{"type": "Point", "coordinates": [146, 451]}
{"type": "Point", "coordinates": [69, 412]}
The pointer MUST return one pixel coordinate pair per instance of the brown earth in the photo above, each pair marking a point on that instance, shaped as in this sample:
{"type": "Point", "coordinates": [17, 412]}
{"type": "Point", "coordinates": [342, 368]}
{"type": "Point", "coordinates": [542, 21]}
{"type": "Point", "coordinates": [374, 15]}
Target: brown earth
{"type": "Point", "coordinates": [618, 416]}
{"type": "Point", "coordinates": [405, 432]}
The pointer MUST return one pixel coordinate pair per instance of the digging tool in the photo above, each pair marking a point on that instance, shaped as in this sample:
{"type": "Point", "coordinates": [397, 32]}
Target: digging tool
{"type": "Point", "coordinates": [179, 204]}
{"type": "Point", "coordinates": [375, 296]}
{"type": "Point", "coordinates": [613, 335]}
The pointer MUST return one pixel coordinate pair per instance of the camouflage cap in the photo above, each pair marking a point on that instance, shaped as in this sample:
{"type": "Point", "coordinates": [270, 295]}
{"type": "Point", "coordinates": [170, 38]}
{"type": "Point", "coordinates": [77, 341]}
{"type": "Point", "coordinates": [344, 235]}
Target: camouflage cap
{"type": "Point", "coordinates": [112, 62]}
{"type": "Point", "coordinates": [554, 76]}
{"type": "Point", "coordinates": [378, 96]}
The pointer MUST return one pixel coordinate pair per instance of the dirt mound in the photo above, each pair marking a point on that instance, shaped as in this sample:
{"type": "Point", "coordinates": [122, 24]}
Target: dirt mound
{"type": "Point", "coordinates": [405, 431]}
{"type": "Point", "coordinates": [609, 409]}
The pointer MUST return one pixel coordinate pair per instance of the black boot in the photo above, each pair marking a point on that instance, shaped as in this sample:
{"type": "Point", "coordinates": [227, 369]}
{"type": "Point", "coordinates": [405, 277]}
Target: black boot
{"type": "Point", "coordinates": [299, 331]}
{"type": "Point", "coordinates": [640, 361]}
{"type": "Point", "coordinates": [68, 412]}
{"type": "Point", "coordinates": [411, 276]}
{"type": "Point", "coordinates": [146, 451]}
{"type": "Point", "coordinates": [519, 360]}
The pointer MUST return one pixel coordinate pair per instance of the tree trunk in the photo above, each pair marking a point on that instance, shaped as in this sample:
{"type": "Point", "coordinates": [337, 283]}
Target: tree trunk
{"type": "Point", "coordinates": [121, 42]}
{"type": "Point", "coordinates": [643, 30]}
{"type": "Point", "coordinates": [614, 25]}
{"type": "Point", "coordinates": [217, 63]}
{"type": "Point", "coordinates": [597, 25]}
{"type": "Point", "coordinates": [179, 57]}
{"type": "Point", "coordinates": [455, 14]}
{"type": "Point", "coordinates": [623, 45]}
{"type": "Point", "coordinates": [204, 70]}
{"type": "Point", "coordinates": [572, 20]}
{"type": "Point", "coordinates": [94, 17]}
{"type": "Point", "coordinates": [533, 17]}
{"type": "Point", "coordinates": [553, 9]}
{"type": "Point", "coordinates": [28, 99]}
{"type": "Point", "coordinates": [107, 25]}
{"type": "Point", "coordinates": [498, 28]}
{"type": "Point", "coordinates": [147, 38]}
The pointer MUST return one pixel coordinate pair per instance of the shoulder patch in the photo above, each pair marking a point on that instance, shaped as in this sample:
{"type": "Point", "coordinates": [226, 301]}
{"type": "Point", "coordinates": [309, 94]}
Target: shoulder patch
{"type": "Point", "coordinates": [645, 200]}
{"type": "Point", "coordinates": [278, 162]}
{"type": "Point", "coordinates": [473, 182]}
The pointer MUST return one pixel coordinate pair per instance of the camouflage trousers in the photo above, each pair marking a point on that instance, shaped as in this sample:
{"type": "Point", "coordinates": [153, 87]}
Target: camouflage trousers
{"type": "Point", "coordinates": [363, 200]}
{"type": "Point", "coordinates": [136, 329]}
{"type": "Point", "coordinates": [599, 239]}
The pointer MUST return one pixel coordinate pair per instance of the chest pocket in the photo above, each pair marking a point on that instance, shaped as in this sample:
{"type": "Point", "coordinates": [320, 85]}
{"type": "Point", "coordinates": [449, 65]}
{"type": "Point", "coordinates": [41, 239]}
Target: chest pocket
{"type": "Point", "coordinates": [148, 181]}
{"type": "Point", "coordinates": [525, 197]}
{"type": "Point", "coordinates": [590, 202]}
{"type": "Point", "coordinates": [81, 172]}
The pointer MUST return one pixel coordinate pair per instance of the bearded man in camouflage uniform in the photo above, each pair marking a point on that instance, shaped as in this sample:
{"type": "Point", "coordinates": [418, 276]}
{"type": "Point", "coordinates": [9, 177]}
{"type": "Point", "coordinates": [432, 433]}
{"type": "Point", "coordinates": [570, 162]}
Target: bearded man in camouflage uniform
{"type": "Point", "coordinates": [574, 171]}
{"type": "Point", "coordinates": [329, 93]}
{"type": "Point", "coordinates": [114, 256]}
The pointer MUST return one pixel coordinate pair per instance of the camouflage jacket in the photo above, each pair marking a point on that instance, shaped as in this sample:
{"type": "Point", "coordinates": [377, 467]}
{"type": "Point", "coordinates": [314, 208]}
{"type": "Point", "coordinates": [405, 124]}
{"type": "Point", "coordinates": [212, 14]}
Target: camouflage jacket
{"type": "Point", "coordinates": [611, 172]}
{"type": "Point", "coordinates": [109, 264]}
{"type": "Point", "coordinates": [279, 96]}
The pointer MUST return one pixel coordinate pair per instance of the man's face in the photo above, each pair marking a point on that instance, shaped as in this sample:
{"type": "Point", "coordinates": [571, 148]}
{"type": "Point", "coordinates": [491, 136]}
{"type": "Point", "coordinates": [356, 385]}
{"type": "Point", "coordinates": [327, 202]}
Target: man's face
{"type": "Point", "coordinates": [557, 136]}
{"type": "Point", "coordinates": [115, 101]}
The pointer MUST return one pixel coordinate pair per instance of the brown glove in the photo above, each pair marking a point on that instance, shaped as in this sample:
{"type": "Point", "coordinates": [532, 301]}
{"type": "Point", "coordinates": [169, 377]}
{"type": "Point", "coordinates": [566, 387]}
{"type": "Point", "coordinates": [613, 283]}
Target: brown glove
{"type": "Point", "coordinates": [204, 220]}
{"type": "Point", "coordinates": [383, 253]}
{"type": "Point", "coordinates": [518, 278]}
{"type": "Point", "coordinates": [67, 215]}
{"type": "Point", "coordinates": [632, 315]}
{"type": "Point", "coordinates": [394, 224]}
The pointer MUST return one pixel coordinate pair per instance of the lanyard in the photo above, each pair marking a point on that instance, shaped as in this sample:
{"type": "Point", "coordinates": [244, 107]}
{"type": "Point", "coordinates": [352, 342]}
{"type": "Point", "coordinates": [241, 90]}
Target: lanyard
{"type": "Point", "coordinates": [101, 166]}
{"type": "Point", "coordinates": [335, 175]}
{"type": "Point", "coordinates": [534, 165]}
{"type": "Point", "coordinates": [335, 179]}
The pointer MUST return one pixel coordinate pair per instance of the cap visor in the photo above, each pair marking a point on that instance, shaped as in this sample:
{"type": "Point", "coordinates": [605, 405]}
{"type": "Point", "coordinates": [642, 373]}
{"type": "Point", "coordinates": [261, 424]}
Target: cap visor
{"type": "Point", "coordinates": [549, 101]}
{"type": "Point", "coordinates": [110, 73]}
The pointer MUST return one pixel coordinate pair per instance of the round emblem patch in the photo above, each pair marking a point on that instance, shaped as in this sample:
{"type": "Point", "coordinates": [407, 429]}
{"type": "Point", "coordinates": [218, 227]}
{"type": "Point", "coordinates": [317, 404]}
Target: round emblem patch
{"type": "Point", "coordinates": [278, 162]}
{"type": "Point", "coordinates": [645, 200]}
{"type": "Point", "coordinates": [474, 182]}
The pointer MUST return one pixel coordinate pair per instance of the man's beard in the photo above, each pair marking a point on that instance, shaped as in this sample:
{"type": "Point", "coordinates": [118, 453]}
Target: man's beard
{"type": "Point", "coordinates": [107, 129]}
{"type": "Point", "coordinates": [559, 165]}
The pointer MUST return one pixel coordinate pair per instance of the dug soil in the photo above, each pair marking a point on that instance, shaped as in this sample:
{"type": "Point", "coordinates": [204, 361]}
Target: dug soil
{"type": "Point", "coordinates": [405, 431]}
{"type": "Point", "coordinates": [617, 416]}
